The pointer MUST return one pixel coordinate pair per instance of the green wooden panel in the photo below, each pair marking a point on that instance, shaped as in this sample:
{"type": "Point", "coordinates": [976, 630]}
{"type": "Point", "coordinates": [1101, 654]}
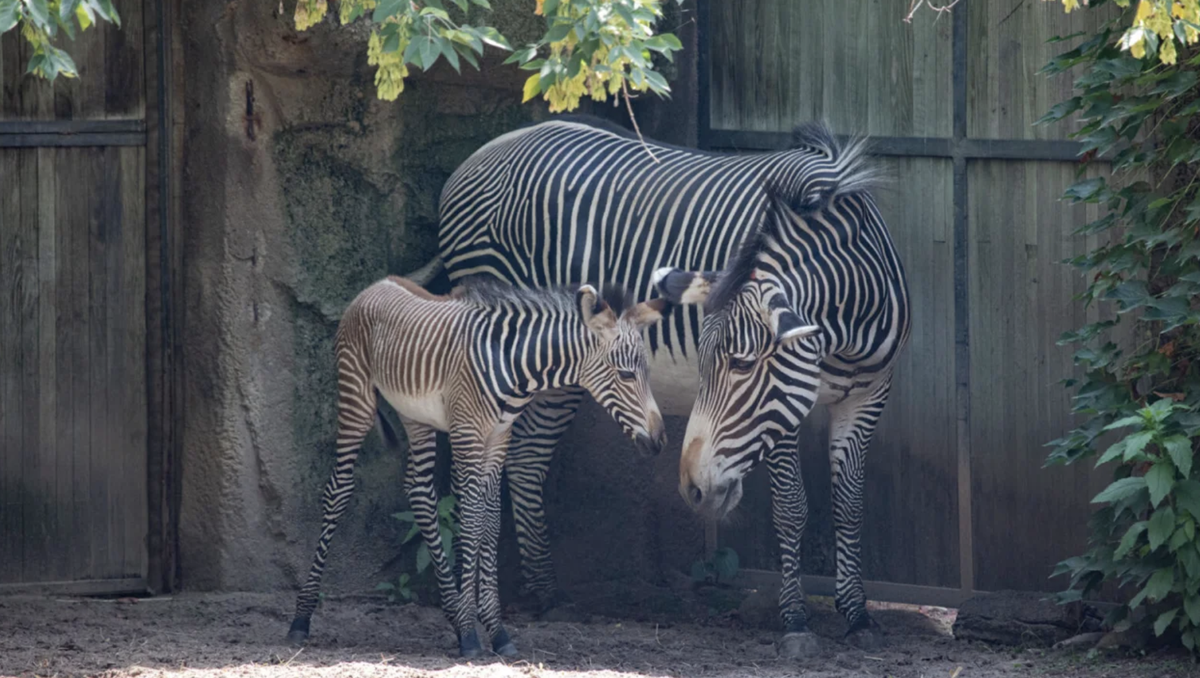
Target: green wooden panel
{"type": "Point", "coordinates": [855, 64]}
{"type": "Point", "coordinates": [911, 528]}
{"type": "Point", "coordinates": [1006, 47]}
{"type": "Point", "coordinates": [1026, 518]}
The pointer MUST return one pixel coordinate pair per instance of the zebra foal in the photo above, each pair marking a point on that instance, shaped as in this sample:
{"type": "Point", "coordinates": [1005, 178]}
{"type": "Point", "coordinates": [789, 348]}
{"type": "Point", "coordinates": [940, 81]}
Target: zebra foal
{"type": "Point", "coordinates": [468, 364]}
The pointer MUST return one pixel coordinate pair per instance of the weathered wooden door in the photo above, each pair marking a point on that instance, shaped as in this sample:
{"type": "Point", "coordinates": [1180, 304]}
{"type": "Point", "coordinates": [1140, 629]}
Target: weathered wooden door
{"type": "Point", "coordinates": [74, 415]}
{"type": "Point", "coordinates": [956, 499]}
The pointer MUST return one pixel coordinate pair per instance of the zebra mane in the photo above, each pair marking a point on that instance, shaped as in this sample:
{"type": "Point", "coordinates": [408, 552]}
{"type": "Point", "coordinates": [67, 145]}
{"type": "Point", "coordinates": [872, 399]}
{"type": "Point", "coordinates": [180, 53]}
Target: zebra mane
{"type": "Point", "coordinates": [489, 292]}
{"type": "Point", "coordinates": [735, 275]}
{"type": "Point", "coordinates": [857, 173]}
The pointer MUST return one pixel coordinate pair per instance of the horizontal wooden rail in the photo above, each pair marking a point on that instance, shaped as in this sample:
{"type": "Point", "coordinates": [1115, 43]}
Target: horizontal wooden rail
{"type": "Point", "coordinates": [52, 133]}
{"type": "Point", "coordinates": [84, 587]}
{"type": "Point", "coordinates": [911, 594]}
{"type": "Point", "coordinates": [921, 147]}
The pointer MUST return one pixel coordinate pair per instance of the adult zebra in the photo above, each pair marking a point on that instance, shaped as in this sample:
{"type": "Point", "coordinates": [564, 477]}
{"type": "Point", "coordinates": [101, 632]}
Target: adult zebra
{"type": "Point", "coordinates": [580, 200]}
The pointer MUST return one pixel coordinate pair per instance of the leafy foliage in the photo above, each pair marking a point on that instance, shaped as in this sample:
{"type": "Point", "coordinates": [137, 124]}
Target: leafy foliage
{"type": "Point", "coordinates": [1140, 113]}
{"type": "Point", "coordinates": [41, 21]}
{"type": "Point", "coordinates": [592, 47]}
{"type": "Point", "coordinates": [447, 527]}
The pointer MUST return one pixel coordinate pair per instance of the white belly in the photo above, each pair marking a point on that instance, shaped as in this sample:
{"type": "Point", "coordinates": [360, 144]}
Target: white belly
{"type": "Point", "coordinates": [428, 409]}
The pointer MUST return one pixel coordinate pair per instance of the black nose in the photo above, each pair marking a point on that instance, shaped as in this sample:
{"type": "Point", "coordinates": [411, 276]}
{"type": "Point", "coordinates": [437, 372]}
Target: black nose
{"type": "Point", "coordinates": [695, 494]}
{"type": "Point", "coordinates": [648, 446]}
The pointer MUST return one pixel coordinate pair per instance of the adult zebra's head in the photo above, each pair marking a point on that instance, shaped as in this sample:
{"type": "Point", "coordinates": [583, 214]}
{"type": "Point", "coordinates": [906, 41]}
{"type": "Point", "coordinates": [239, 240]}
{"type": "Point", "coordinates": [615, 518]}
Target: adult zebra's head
{"type": "Point", "coordinates": [615, 370]}
{"type": "Point", "coordinates": [760, 361]}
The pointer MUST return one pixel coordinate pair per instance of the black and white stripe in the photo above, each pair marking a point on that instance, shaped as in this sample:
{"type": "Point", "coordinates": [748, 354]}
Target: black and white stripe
{"type": "Point", "coordinates": [468, 364]}
{"type": "Point", "coordinates": [572, 200]}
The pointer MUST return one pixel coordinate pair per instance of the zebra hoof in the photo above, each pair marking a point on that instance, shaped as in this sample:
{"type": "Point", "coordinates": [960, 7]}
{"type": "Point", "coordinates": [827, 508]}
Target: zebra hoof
{"type": "Point", "coordinates": [299, 632]}
{"type": "Point", "coordinates": [867, 638]}
{"type": "Point", "coordinates": [468, 645]}
{"type": "Point", "coordinates": [502, 645]}
{"type": "Point", "coordinates": [799, 645]}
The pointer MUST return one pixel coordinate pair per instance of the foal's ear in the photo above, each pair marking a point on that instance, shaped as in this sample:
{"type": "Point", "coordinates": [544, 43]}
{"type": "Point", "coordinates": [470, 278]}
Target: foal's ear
{"type": "Point", "coordinates": [683, 287]}
{"type": "Point", "coordinates": [596, 314]}
{"type": "Point", "coordinates": [647, 312]}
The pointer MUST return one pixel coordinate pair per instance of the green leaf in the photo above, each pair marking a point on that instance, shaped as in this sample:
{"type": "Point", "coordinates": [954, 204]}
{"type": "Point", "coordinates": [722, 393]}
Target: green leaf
{"type": "Point", "coordinates": [405, 516]}
{"type": "Point", "coordinates": [106, 10]}
{"type": "Point", "coordinates": [83, 14]}
{"type": "Point", "coordinates": [1187, 497]}
{"type": "Point", "coordinates": [1136, 443]}
{"type": "Point", "coordinates": [1159, 480]}
{"type": "Point", "coordinates": [10, 14]}
{"type": "Point", "coordinates": [451, 55]}
{"type": "Point", "coordinates": [385, 9]}
{"type": "Point", "coordinates": [1191, 606]}
{"type": "Point", "coordinates": [1160, 584]}
{"type": "Point", "coordinates": [423, 558]}
{"type": "Point", "coordinates": [1164, 620]}
{"type": "Point", "coordinates": [1115, 450]}
{"type": "Point", "coordinates": [557, 32]}
{"type": "Point", "coordinates": [1180, 450]}
{"type": "Point", "coordinates": [1085, 190]}
{"type": "Point", "coordinates": [492, 37]}
{"type": "Point", "coordinates": [412, 532]}
{"type": "Point", "coordinates": [429, 51]}
{"type": "Point", "coordinates": [1160, 526]}
{"type": "Point", "coordinates": [1123, 422]}
{"type": "Point", "coordinates": [385, 586]}
{"type": "Point", "coordinates": [1119, 490]}
{"type": "Point", "coordinates": [1178, 540]}
{"type": "Point", "coordinates": [39, 12]}
{"type": "Point", "coordinates": [1130, 539]}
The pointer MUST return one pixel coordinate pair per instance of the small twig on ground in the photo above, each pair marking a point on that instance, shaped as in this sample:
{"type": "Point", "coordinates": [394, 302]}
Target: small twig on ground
{"type": "Point", "coordinates": [656, 640]}
{"type": "Point", "coordinates": [878, 659]}
{"type": "Point", "coordinates": [956, 672]}
{"type": "Point", "coordinates": [293, 656]}
{"type": "Point", "coordinates": [916, 4]}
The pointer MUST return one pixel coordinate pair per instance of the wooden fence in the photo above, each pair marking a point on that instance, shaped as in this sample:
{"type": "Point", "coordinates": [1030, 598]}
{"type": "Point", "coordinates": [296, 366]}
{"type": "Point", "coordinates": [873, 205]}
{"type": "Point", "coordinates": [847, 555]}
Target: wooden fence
{"type": "Point", "coordinates": [84, 318]}
{"type": "Point", "coordinates": [957, 499]}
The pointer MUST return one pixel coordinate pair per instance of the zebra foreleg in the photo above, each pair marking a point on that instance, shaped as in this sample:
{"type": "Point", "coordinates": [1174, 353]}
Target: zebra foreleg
{"type": "Point", "coordinates": [789, 511]}
{"type": "Point", "coordinates": [534, 437]}
{"type": "Point", "coordinates": [423, 499]}
{"type": "Point", "coordinates": [853, 424]}
{"type": "Point", "coordinates": [356, 415]}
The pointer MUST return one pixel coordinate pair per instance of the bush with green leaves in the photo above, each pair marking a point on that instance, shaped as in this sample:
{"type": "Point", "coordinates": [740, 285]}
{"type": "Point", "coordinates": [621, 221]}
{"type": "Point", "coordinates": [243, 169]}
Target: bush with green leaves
{"type": "Point", "coordinates": [719, 568]}
{"type": "Point", "coordinates": [447, 527]}
{"type": "Point", "coordinates": [1139, 111]}
{"type": "Point", "coordinates": [42, 21]}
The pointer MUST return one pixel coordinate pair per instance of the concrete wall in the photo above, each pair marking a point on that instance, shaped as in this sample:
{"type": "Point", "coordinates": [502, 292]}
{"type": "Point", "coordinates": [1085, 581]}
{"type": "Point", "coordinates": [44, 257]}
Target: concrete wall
{"type": "Point", "coordinates": [331, 190]}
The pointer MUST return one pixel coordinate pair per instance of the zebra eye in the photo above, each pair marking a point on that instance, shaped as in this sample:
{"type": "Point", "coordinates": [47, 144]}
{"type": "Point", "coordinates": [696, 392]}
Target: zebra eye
{"type": "Point", "coordinates": [626, 375]}
{"type": "Point", "coordinates": [741, 364]}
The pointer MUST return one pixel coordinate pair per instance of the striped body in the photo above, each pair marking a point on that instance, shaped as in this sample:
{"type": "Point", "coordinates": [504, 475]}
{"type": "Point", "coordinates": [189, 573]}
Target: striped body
{"type": "Point", "coordinates": [563, 201]}
{"type": "Point", "coordinates": [468, 364]}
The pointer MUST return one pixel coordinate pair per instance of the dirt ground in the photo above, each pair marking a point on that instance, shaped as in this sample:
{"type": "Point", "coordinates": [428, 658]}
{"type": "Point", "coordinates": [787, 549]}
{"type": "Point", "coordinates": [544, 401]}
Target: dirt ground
{"type": "Point", "coordinates": [661, 634]}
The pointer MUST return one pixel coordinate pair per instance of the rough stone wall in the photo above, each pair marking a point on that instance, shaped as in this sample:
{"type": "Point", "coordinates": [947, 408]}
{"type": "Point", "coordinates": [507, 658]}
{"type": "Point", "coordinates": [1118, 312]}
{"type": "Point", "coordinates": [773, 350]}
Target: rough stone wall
{"type": "Point", "coordinates": [288, 214]}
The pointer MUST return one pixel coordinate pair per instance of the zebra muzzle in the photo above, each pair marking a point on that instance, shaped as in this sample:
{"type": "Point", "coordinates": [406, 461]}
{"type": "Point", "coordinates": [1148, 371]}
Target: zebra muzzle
{"type": "Point", "coordinates": [650, 447]}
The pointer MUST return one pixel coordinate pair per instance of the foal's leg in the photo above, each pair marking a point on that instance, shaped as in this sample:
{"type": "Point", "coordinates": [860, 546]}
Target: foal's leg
{"type": "Point", "coordinates": [356, 415]}
{"type": "Point", "coordinates": [469, 480]}
{"type": "Point", "coordinates": [534, 436]}
{"type": "Point", "coordinates": [423, 499]}
{"type": "Point", "coordinates": [789, 511]}
{"type": "Point", "coordinates": [852, 424]}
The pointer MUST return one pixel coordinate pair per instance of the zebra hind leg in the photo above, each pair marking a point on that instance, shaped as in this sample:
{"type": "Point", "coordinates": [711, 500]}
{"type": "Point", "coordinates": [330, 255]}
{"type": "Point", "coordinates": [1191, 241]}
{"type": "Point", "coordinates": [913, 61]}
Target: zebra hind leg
{"type": "Point", "coordinates": [789, 509]}
{"type": "Point", "coordinates": [853, 424]}
{"type": "Point", "coordinates": [356, 415]}
{"type": "Point", "coordinates": [423, 499]}
{"type": "Point", "coordinates": [534, 437]}
{"type": "Point", "coordinates": [489, 587]}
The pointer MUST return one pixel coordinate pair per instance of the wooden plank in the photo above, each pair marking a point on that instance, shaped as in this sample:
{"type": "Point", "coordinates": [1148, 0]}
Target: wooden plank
{"type": "Point", "coordinates": [1020, 304]}
{"type": "Point", "coordinates": [72, 367]}
{"type": "Point", "coordinates": [72, 126]}
{"type": "Point", "coordinates": [130, 455]}
{"type": "Point", "coordinates": [21, 294]}
{"type": "Point", "coordinates": [11, 460]}
{"type": "Point", "coordinates": [56, 465]}
{"type": "Point", "coordinates": [911, 521]}
{"type": "Point", "coordinates": [1008, 48]}
{"type": "Point", "coordinates": [879, 591]}
{"type": "Point", "coordinates": [778, 63]}
{"type": "Point", "coordinates": [85, 587]}
{"type": "Point", "coordinates": [100, 185]}
{"type": "Point", "coordinates": [66, 140]}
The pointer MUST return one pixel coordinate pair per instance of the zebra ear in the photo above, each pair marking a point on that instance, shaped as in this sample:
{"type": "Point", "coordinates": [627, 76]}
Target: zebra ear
{"type": "Point", "coordinates": [648, 312]}
{"type": "Point", "coordinates": [789, 327]}
{"type": "Point", "coordinates": [682, 287]}
{"type": "Point", "coordinates": [595, 312]}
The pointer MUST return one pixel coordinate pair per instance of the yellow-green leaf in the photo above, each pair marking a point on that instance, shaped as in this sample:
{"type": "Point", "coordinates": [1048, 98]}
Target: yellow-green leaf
{"type": "Point", "coordinates": [533, 87]}
{"type": "Point", "coordinates": [83, 15]}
